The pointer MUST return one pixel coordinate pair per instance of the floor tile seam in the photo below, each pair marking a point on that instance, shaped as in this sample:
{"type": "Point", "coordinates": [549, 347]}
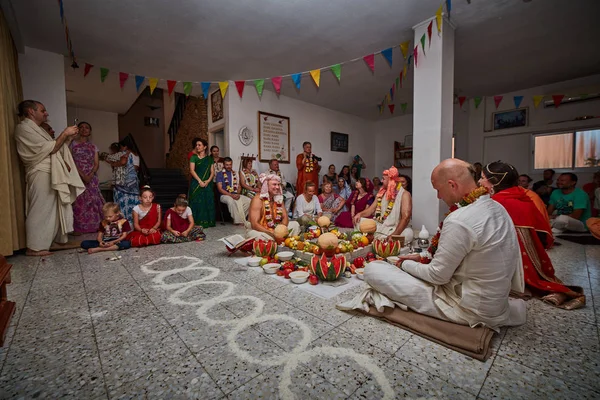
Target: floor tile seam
{"type": "Point", "coordinates": [93, 328]}
{"type": "Point", "coordinates": [564, 379]}
{"type": "Point", "coordinates": [555, 340]}
{"type": "Point", "coordinates": [38, 261]}
{"type": "Point", "coordinates": [487, 373]}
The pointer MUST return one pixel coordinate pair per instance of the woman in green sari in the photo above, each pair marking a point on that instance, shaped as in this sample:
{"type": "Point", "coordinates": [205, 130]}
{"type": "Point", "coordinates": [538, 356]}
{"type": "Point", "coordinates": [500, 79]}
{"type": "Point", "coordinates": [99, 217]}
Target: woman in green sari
{"type": "Point", "coordinates": [201, 196]}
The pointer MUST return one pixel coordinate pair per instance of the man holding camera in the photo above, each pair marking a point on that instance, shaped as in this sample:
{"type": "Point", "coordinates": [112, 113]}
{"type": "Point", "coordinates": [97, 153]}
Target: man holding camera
{"type": "Point", "coordinates": [308, 168]}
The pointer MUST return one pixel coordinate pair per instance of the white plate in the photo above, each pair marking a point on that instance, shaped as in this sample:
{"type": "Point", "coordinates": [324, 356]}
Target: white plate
{"type": "Point", "coordinates": [360, 273]}
{"type": "Point", "coordinates": [271, 268]}
{"type": "Point", "coordinates": [299, 276]}
{"type": "Point", "coordinates": [254, 261]}
{"type": "Point", "coordinates": [285, 255]}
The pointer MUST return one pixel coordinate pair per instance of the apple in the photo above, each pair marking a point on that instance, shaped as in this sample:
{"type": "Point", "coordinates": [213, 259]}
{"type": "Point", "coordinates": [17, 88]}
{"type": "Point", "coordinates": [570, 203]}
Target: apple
{"type": "Point", "coordinates": [313, 280]}
{"type": "Point", "coordinates": [263, 261]}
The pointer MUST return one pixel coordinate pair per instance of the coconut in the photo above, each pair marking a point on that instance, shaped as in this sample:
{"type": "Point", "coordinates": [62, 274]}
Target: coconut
{"type": "Point", "coordinates": [281, 231]}
{"type": "Point", "coordinates": [323, 221]}
{"type": "Point", "coordinates": [367, 225]}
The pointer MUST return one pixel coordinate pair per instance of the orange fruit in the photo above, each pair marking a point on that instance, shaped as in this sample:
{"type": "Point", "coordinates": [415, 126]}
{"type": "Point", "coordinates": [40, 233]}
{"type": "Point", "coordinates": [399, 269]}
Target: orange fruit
{"type": "Point", "coordinates": [287, 242]}
{"type": "Point", "coordinates": [364, 240]}
{"type": "Point", "coordinates": [300, 246]}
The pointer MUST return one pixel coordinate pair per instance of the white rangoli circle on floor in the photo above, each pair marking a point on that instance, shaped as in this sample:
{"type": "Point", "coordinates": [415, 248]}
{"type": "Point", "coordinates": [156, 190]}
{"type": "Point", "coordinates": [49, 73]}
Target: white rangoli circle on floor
{"type": "Point", "coordinates": [290, 360]}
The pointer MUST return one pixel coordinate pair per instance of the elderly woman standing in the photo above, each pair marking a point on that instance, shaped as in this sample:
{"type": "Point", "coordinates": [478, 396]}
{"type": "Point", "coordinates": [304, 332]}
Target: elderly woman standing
{"type": "Point", "coordinates": [87, 208]}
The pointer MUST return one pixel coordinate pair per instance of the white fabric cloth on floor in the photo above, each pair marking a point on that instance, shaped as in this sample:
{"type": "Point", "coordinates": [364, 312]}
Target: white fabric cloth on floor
{"type": "Point", "coordinates": [237, 208]}
{"type": "Point", "coordinates": [51, 187]}
{"type": "Point", "coordinates": [477, 263]}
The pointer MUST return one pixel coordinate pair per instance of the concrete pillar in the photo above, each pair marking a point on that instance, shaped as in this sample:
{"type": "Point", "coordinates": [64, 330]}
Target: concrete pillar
{"type": "Point", "coordinates": [432, 119]}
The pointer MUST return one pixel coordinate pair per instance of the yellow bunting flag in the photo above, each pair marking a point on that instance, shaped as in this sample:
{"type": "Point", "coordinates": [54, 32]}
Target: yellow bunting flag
{"type": "Point", "coordinates": [153, 82]}
{"type": "Point", "coordinates": [537, 100]}
{"type": "Point", "coordinates": [404, 71]}
{"type": "Point", "coordinates": [404, 48]}
{"type": "Point", "coordinates": [438, 18]}
{"type": "Point", "coordinates": [316, 75]}
{"type": "Point", "coordinates": [223, 86]}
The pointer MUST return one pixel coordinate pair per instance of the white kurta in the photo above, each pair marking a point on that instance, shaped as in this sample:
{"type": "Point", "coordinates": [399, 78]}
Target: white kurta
{"type": "Point", "coordinates": [310, 208]}
{"type": "Point", "coordinates": [388, 226]}
{"type": "Point", "coordinates": [51, 187]}
{"type": "Point", "coordinates": [468, 281]}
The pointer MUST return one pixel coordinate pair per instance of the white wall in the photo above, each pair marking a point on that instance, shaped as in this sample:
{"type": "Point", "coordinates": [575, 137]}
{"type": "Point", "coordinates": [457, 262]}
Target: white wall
{"type": "Point", "coordinates": [105, 130]}
{"type": "Point", "coordinates": [514, 145]}
{"type": "Point", "coordinates": [43, 79]}
{"type": "Point", "coordinates": [308, 122]}
{"type": "Point", "coordinates": [388, 131]}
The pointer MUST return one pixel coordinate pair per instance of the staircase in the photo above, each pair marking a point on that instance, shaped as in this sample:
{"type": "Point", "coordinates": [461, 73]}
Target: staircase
{"type": "Point", "coordinates": [168, 184]}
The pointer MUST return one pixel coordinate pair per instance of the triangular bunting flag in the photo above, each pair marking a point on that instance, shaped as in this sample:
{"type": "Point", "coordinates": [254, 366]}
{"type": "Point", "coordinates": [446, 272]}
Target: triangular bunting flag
{"type": "Point", "coordinates": [517, 100]}
{"type": "Point", "coordinates": [259, 84]}
{"type": "Point", "coordinates": [557, 99]}
{"type": "Point", "coordinates": [277, 84]}
{"type": "Point", "coordinates": [404, 48]}
{"type": "Point", "coordinates": [388, 54]}
{"type": "Point", "coordinates": [537, 100]}
{"type": "Point", "coordinates": [223, 85]}
{"type": "Point", "coordinates": [370, 60]}
{"type": "Point", "coordinates": [296, 78]}
{"type": "Point", "coordinates": [416, 55]}
{"type": "Point", "coordinates": [398, 82]}
{"type": "Point", "coordinates": [337, 71]}
{"type": "Point", "coordinates": [187, 88]}
{"type": "Point", "coordinates": [380, 108]}
{"type": "Point", "coordinates": [392, 93]}
{"type": "Point", "coordinates": [391, 106]}
{"type": "Point", "coordinates": [239, 85]}
{"type": "Point", "coordinates": [123, 78]}
{"type": "Point", "coordinates": [316, 75]}
{"type": "Point", "coordinates": [477, 101]}
{"type": "Point", "coordinates": [404, 71]}
{"type": "Point", "coordinates": [139, 79]}
{"type": "Point", "coordinates": [205, 89]}
{"type": "Point", "coordinates": [498, 100]}
{"type": "Point", "coordinates": [429, 30]}
{"type": "Point", "coordinates": [403, 106]}
{"type": "Point", "coordinates": [171, 86]}
{"type": "Point", "coordinates": [461, 100]}
{"type": "Point", "coordinates": [438, 18]}
{"type": "Point", "coordinates": [103, 74]}
{"type": "Point", "coordinates": [86, 69]}
{"type": "Point", "coordinates": [409, 61]}
{"type": "Point", "coordinates": [448, 7]}
{"type": "Point", "coordinates": [422, 45]}
{"type": "Point", "coordinates": [153, 82]}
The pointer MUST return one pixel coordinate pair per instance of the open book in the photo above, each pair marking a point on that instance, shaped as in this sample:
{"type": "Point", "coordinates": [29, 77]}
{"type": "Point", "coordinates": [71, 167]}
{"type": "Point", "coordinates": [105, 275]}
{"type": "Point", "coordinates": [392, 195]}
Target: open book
{"type": "Point", "coordinates": [235, 241]}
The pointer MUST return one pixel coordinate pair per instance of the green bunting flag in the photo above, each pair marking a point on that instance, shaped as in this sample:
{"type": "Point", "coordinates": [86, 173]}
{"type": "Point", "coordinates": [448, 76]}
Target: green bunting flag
{"type": "Point", "coordinates": [103, 74]}
{"type": "Point", "coordinates": [403, 106]}
{"type": "Point", "coordinates": [423, 43]}
{"type": "Point", "coordinates": [477, 101]}
{"type": "Point", "coordinates": [187, 88]}
{"type": "Point", "coordinates": [259, 84]}
{"type": "Point", "coordinates": [337, 71]}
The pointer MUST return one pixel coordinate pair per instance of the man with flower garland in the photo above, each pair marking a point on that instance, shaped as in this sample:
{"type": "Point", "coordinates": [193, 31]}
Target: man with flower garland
{"type": "Point", "coordinates": [229, 188]}
{"type": "Point", "coordinates": [392, 208]}
{"type": "Point", "coordinates": [472, 265]}
{"type": "Point", "coordinates": [267, 210]}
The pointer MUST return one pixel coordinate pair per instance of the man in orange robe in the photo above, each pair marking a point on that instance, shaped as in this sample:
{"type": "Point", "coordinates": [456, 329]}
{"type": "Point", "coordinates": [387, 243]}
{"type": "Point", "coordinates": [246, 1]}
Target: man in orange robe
{"type": "Point", "coordinates": [308, 168]}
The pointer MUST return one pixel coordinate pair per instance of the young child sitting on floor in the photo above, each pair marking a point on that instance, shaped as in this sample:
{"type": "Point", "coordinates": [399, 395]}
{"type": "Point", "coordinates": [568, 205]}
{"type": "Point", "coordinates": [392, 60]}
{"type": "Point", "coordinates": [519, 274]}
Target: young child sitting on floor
{"type": "Point", "coordinates": [146, 221]}
{"type": "Point", "coordinates": [111, 233]}
{"type": "Point", "coordinates": [178, 225]}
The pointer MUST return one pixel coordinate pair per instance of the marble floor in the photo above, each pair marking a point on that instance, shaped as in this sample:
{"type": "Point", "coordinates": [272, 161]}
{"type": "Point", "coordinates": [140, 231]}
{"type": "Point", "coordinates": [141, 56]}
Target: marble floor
{"type": "Point", "coordinates": [185, 321]}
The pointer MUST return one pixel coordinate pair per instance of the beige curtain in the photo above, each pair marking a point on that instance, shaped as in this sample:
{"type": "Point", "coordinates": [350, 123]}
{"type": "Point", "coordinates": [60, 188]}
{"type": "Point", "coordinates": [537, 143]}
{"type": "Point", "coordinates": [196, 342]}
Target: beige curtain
{"type": "Point", "coordinates": [588, 148]}
{"type": "Point", "coordinates": [554, 151]}
{"type": "Point", "coordinates": [12, 209]}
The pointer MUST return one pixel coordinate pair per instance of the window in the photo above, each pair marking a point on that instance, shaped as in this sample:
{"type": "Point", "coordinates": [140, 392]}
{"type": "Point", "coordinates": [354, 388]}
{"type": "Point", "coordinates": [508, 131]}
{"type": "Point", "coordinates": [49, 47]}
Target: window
{"type": "Point", "coordinates": [568, 150]}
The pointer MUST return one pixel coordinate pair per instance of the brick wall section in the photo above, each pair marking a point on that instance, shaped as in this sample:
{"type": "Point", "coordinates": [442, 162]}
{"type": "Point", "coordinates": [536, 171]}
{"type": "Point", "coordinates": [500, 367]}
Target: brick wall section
{"type": "Point", "coordinates": [194, 124]}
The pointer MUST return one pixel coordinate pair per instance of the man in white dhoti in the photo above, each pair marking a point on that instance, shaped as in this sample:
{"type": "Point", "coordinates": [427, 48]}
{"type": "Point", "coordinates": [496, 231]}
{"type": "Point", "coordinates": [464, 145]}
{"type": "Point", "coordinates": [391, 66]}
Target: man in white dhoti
{"type": "Point", "coordinates": [287, 195]}
{"type": "Point", "coordinates": [267, 210]}
{"type": "Point", "coordinates": [52, 180]}
{"type": "Point", "coordinates": [229, 188]}
{"type": "Point", "coordinates": [392, 208]}
{"type": "Point", "coordinates": [468, 272]}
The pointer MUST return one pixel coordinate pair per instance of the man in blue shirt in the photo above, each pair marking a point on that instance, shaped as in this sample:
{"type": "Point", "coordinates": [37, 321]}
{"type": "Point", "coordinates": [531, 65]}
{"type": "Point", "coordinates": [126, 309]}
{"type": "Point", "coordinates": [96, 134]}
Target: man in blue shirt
{"type": "Point", "coordinates": [229, 188]}
{"type": "Point", "coordinates": [569, 207]}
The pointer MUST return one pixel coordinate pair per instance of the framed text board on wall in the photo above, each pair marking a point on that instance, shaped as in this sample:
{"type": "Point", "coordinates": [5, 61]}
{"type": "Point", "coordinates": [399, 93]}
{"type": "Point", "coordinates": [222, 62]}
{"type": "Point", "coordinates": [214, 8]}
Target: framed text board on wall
{"type": "Point", "coordinates": [273, 137]}
{"type": "Point", "coordinates": [339, 142]}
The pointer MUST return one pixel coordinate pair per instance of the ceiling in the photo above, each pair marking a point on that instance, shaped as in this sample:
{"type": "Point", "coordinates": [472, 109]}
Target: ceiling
{"type": "Point", "coordinates": [501, 45]}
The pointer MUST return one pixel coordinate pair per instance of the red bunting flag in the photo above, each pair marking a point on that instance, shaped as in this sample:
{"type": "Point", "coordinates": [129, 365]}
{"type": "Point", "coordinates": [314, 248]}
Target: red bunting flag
{"type": "Point", "coordinates": [429, 30]}
{"type": "Point", "coordinates": [401, 74]}
{"type": "Point", "coordinates": [277, 84]}
{"type": "Point", "coordinates": [171, 86]}
{"type": "Point", "coordinates": [461, 100]}
{"type": "Point", "coordinates": [86, 69]}
{"type": "Point", "coordinates": [239, 85]}
{"type": "Point", "coordinates": [416, 55]}
{"type": "Point", "coordinates": [498, 100]}
{"type": "Point", "coordinates": [391, 106]}
{"type": "Point", "coordinates": [123, 78]}
{"type": "Point", "coordinates": [370, 60]}
{"type": "Point", "coordinates": [557, 99]}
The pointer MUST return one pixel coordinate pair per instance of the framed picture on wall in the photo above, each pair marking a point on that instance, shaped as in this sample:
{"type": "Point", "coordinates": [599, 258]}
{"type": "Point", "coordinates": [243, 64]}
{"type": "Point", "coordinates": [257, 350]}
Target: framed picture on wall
{"type": "Point", "coordinates": [273, 137]}
{"type": "Point", "coordinates": [339, 142]}
{"type": "Point", "coordinates": [510, 119]}
{"type": "Point", "coordinates": [216, 105]}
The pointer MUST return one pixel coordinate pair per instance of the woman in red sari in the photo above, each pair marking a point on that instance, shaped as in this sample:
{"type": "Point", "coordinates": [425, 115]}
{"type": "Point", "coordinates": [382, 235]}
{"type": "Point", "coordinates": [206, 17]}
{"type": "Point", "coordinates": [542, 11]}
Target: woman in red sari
{"type": "Point", "coordinates": [534, 234]}
{"type": "Point", "coordinates": [360, 199]}
{"type": "Point", "coordinates": [146, 221]}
